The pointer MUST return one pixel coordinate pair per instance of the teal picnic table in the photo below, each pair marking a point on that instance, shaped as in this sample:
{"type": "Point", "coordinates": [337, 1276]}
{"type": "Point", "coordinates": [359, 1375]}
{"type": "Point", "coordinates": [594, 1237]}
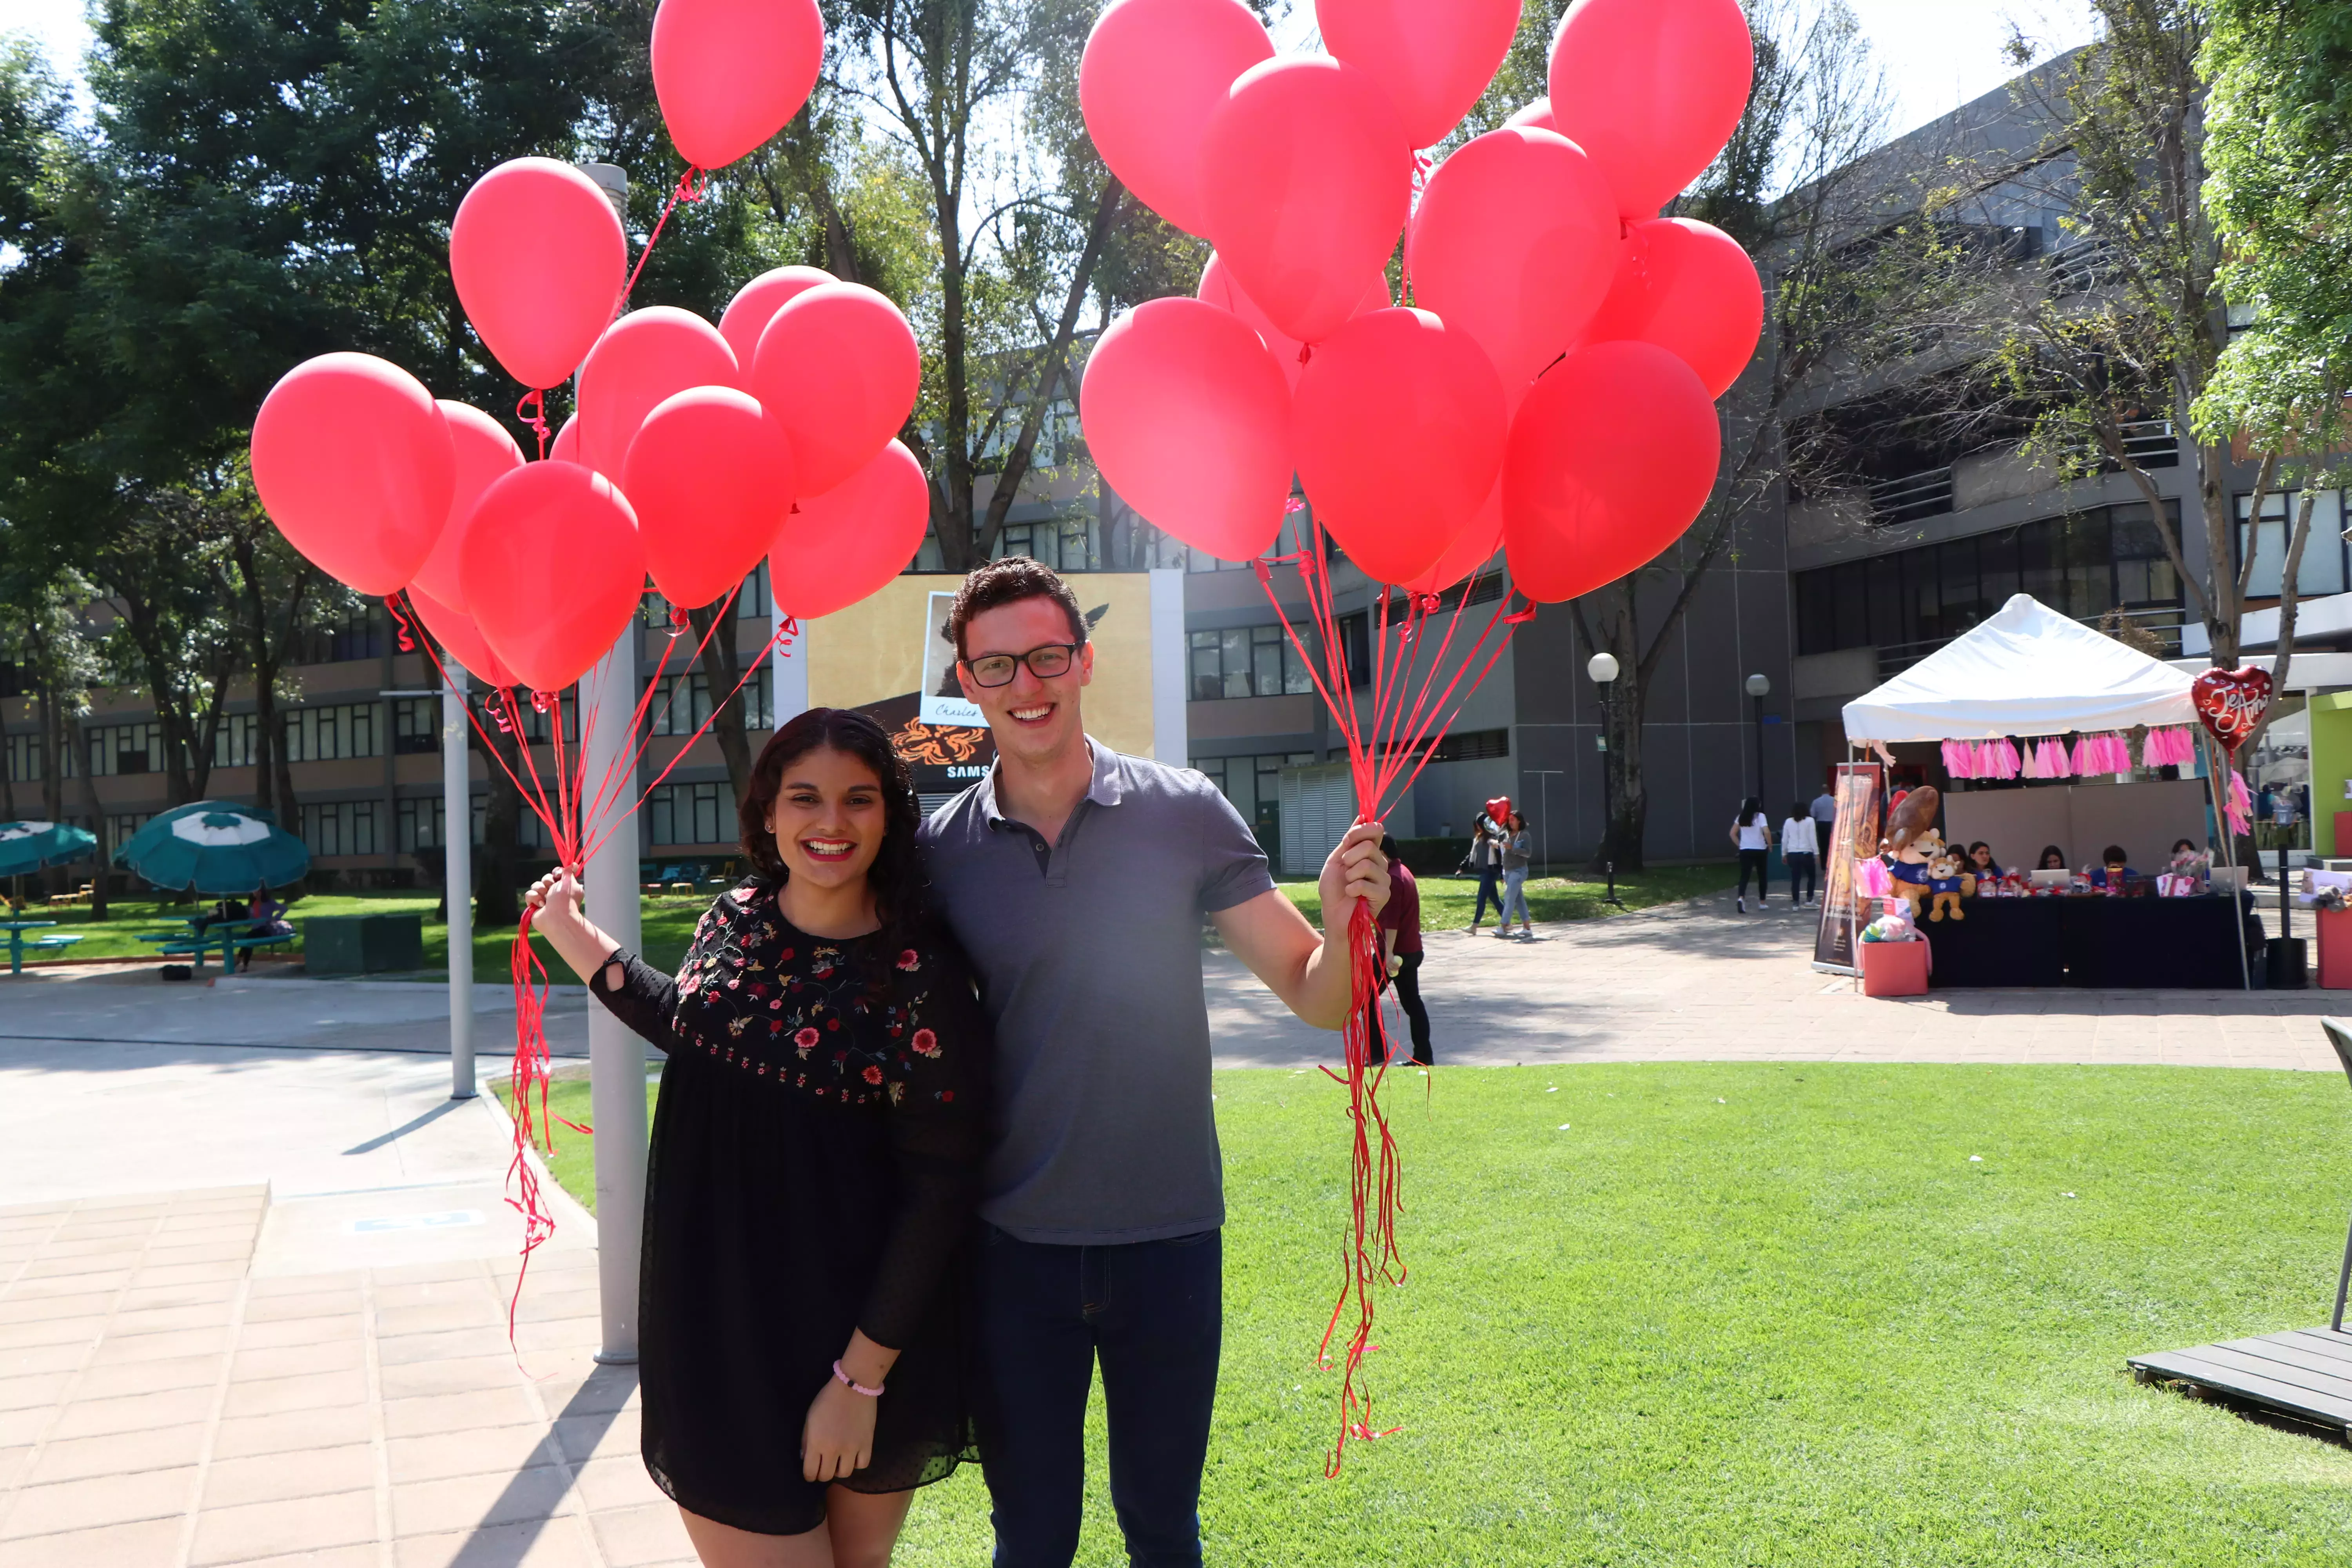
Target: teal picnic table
{"type": "Point", "coordinates": [197, 937]}
{"type": "Point", "coordinates": [17, 930]}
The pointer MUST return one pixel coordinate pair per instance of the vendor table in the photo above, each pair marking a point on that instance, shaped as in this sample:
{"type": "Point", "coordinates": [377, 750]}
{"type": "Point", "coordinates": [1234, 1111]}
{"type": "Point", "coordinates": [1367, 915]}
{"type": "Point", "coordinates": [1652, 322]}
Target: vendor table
{"type": "Point", "coordinates": [2092, 940]}
{"type": "Point", "coordinates": [17, 930]}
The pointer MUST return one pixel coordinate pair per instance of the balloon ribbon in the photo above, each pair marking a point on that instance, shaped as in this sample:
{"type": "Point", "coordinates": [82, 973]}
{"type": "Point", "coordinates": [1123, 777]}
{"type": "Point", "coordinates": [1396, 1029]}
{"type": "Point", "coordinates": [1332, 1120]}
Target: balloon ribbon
{"type": "Point", "coordinates": [1390, 738]}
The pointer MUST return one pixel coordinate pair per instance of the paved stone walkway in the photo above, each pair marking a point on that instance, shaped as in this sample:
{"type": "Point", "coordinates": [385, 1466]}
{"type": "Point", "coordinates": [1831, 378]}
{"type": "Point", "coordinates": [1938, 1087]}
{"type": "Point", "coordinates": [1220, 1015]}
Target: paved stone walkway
{"type": "Point", "coordinates": [254, 1287]}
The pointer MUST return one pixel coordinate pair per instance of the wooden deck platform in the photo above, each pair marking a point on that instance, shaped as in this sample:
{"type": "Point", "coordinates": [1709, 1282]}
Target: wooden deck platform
{"type": "Point", "coordinates": [2305, 1372]}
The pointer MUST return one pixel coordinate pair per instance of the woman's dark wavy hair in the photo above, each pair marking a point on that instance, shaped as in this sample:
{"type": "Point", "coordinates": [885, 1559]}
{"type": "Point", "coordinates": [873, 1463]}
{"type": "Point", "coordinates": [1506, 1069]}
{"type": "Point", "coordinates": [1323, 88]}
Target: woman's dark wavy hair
{"type": "Point", "coordinates": [895, 875]}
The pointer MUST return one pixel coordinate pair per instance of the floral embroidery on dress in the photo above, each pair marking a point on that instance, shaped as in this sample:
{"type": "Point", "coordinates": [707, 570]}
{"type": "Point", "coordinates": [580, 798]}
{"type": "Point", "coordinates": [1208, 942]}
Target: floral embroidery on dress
{"type": "Point", "coordinates": [741, 970]}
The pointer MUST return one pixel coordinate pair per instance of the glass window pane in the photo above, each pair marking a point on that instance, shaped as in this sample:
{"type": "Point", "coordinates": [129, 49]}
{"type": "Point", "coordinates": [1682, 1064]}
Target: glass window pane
{"type": "Point", "coordinates": [2039, 573]}
{"type": "Point", "coordinates": [1850, 605]}
{"type": "Point", "coordinates": [2269, 546]}
{"type": "Point", "coordinates": [2323, 553]}
{"type": "Point", "coordinates": [1997, 569]}
{"type": "Point", "coordinates": [1206, 681]}
{"type": "Point", "coordinates": [1236, 654]}
{"type": "Point", "coordinates": [1266, 659]}
{"type": "Point", "coordinates": [1882, 588]}
{"type": "Point", "coordinates": [1956, 573]}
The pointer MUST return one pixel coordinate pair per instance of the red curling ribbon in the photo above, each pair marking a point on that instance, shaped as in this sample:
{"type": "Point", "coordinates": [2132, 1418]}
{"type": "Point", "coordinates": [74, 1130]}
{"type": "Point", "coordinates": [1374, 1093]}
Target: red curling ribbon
{"type": "Point", "coordinates": [400, 618]}
{"type": "Point", "coordinates": [532, 409]}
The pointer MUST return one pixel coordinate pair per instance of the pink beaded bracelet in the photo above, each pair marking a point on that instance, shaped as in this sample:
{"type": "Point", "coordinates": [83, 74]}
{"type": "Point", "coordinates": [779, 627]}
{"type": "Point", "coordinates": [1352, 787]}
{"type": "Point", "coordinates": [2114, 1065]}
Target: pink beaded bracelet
{"type": "Point", "coordinates": [855, 1386]}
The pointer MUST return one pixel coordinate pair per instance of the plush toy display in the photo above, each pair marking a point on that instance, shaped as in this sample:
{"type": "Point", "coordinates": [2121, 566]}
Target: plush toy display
{"type": "Point", "coordinates": [1949, 881]}
{"type": "Point", "coordinates": [1911, 841]}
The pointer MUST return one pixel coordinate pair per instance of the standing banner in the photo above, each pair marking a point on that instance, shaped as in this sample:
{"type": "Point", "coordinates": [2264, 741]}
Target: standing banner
{"type": "Point", "coordinates": [1860, 798]}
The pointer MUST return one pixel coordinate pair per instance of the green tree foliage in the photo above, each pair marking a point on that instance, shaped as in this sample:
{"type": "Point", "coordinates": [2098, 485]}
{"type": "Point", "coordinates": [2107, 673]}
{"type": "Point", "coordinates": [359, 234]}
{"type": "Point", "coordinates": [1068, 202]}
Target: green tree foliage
{"type": "Point", "coordinates": [2278, 152]}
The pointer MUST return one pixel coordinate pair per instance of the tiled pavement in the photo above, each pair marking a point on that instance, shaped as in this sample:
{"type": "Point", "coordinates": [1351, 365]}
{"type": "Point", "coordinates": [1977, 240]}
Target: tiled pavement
{"type": "Point", "coordinates": [161, 1404]}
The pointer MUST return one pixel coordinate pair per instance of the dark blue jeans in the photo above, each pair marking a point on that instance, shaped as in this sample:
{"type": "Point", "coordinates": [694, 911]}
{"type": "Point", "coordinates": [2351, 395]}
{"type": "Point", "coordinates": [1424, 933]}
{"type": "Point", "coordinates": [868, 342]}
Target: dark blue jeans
{"type": "Point", "coordinates": [1490, 888]}
{"type": "Point", "coordinates": [1153, 1313]}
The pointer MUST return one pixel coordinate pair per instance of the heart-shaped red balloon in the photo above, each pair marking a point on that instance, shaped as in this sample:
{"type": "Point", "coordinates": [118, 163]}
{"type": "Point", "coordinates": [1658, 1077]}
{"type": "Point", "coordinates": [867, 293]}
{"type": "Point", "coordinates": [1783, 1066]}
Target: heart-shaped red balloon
{"type": "Point", "coordinates": [2230, 703]}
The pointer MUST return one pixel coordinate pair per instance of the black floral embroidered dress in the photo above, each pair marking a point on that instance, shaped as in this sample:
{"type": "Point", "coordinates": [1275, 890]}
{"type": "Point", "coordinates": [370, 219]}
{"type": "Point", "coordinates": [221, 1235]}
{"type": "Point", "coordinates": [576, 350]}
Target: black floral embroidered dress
{"type": "Point", "coordinates": [812, 1169]}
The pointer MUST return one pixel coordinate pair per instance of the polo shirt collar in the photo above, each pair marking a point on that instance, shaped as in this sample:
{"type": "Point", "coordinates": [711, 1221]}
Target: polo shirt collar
{"type": "Point", "coordinates": [1104, 789]}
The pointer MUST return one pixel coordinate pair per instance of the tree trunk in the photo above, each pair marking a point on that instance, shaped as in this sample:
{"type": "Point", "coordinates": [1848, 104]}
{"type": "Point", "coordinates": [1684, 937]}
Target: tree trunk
{"type": "Point", "coordinates": [722, 668]}
{"type": "Point", "coordinates": [53, 803]}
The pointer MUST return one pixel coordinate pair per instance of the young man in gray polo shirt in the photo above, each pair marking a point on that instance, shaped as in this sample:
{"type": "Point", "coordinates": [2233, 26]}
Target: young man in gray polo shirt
{"type": "Point", "coordinates": [1077, 879]}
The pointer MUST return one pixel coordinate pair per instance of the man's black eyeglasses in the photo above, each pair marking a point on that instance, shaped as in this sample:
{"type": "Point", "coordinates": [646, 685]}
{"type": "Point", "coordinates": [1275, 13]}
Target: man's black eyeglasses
{"type": "Point", "coordinates": [998, 669]}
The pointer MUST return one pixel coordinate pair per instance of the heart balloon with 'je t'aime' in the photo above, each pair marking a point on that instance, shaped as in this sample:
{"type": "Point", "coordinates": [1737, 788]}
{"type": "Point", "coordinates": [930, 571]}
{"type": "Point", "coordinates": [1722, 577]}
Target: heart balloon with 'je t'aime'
{"type": "Point", "coordinates": [2230, 703]}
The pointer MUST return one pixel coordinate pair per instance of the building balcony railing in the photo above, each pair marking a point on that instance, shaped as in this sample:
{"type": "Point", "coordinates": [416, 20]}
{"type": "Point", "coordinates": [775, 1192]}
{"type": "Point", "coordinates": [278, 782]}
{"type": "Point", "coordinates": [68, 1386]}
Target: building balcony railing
{"type": "Point", "coordinates": [1928, 493]}
{"type": "Point", "coordinates": [2162, 621]}
{"type": "Point", "coordinates": [2152, 443]}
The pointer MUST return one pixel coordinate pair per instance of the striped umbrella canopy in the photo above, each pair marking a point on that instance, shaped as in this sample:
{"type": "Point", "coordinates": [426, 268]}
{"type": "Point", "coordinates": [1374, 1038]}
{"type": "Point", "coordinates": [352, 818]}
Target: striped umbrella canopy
{"type": "Point", "coordinates": [29, 846]}
{"type": "Point", "coordinates": [216, 846]}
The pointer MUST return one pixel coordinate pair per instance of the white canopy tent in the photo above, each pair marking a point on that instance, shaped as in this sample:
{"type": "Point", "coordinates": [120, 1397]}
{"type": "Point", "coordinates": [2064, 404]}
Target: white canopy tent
{"type": "Point", "coordinates": [2028, 670]}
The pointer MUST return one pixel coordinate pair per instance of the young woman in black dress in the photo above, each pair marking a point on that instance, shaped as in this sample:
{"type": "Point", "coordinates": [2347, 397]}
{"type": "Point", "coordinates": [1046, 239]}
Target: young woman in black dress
{"type": "Point", "coordinates": [812, 1168]}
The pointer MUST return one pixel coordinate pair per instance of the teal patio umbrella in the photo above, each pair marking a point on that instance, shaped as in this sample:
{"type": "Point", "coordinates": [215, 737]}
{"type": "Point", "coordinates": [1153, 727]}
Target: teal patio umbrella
{"type": "Point", "coordinates": [29, 846]}
{"type": "Point", "coordinates": [216, 846]}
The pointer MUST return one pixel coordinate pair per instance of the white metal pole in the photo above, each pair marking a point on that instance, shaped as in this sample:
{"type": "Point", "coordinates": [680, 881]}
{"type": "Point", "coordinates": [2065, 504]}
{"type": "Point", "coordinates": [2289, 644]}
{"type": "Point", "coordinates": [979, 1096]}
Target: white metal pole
{"type": "Point", "coordinates": [457, 873]}
{"type": "Point", "coordinates": [616, 1057]}
{"type": "Point", "coordinates": [788, 673]}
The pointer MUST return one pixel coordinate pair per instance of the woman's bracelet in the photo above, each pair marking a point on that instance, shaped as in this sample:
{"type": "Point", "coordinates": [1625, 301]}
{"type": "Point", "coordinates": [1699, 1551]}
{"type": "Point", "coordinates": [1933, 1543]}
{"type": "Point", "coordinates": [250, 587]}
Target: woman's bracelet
{"type": "Point", "coordinates": [855, 1386]}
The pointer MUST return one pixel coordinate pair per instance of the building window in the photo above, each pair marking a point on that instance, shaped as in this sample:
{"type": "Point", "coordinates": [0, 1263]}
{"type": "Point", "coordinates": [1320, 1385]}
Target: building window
{"type": "Point", "coordinates": [237, 743]}
{"type": "Point", "coordinates": [339, 827]}
{"type": "Point", "coordinates": [365, 635]}
{"type": "Point", "coordinates": [332, 734]}
{"type": "Point", "coordinates": [418, 822]}
{"type": "Point", "coordinates": [686, 707]}
{"type": "Point", "coordinates": [1253, 784]}
{"type": "Point", "coordinates": [1471, 746]}
{"type": "Point", "coordinates": [1246, 661]}
{"type": "Point", "coordinates": [122, 825]}
{"type": "Point", "coordinates": [126, 749]}
{"type": "Point", "coordinates": [536, 727]}
{"type": "Point", "coordinates": [2081, 565]}
{"type": "Point", "coordinates": [2323, 551]}
{"type": "Point", "coordinates": [691, 814]}
{"type": "Point", "coordinates": [415, 725]}
{"type": "Point", "coordinates": [751, 602]}
{"type": "Point", "coordinates": [25, 759]}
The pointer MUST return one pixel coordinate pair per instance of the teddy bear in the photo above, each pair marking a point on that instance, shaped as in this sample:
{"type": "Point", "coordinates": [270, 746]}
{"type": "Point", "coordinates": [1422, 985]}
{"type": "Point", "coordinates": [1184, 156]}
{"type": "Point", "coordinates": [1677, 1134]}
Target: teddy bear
{"type": "Point", "coordinates": [1911, 841]}
{"type": "Point", "coordinates": [1948, 881]}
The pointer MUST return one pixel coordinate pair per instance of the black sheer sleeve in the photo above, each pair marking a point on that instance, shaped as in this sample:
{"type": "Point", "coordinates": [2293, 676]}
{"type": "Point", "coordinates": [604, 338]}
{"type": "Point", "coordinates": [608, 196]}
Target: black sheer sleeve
{"type": "Point", "coordinates": [647, 1000]}
{"type": "Point", "coordinates": [937, 1080]}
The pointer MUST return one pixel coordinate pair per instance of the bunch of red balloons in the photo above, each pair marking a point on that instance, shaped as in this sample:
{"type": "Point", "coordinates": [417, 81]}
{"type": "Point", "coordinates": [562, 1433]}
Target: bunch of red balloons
{"type": "Point", "coordinates": [1550, 389]}
{"type": "Point", "coordinates": [694, 449]}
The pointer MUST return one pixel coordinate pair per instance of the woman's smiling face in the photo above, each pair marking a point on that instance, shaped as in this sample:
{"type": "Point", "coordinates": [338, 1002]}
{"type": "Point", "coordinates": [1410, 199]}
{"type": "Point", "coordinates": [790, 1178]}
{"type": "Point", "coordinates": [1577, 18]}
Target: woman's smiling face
{"type": "Point", "coordinates": [828, 818]}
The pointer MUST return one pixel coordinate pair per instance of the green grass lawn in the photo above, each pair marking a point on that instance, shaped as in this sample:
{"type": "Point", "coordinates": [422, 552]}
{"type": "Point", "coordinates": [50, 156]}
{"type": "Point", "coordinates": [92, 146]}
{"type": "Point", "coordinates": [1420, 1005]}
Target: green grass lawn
{"type": "Point", "coordinates": [1750, 1315]}
{"type": "Point", "coordinates": [1446, 901]}
{"type": "Point", "coordinates": [669, 921]}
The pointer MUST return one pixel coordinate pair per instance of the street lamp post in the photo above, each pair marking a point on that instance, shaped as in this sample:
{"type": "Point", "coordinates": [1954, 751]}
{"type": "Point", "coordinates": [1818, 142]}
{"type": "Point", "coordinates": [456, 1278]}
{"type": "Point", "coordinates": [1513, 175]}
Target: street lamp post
{"type": "Point", "coordinates": [1759, 687]}
{"type": "Point", "coordinates": [1603, 668]}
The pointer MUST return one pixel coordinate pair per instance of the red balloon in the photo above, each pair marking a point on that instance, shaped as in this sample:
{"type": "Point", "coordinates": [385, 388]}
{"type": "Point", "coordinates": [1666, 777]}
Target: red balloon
{"type": "Point", "coordinates": [710, 476]}
{"type": "Point", "coordinates": [1186, 415]}
{"type": "Point", "coordinates": [1612, 458]}
{"type": "Point", "coordinates": [1515, 242]}
{"type": "Point", "coordinates": [1399, 430]}
{"type": "Point", "coordinates": [839, 370]}
{"type": "Point", "coordinates": [1652, 88]}
{"type": "Point", "coordinates": [730, 73]}
{"type": "Point", "coordinates": [1306, 179]}
{"type": "Point", "coordinates": [756, 303]}
{"type": "Point", "coordinates": [646, 356]}
{"type": "Point", "coordinates": [565, 445]}
{"type": "Point", "coordinates": [459, 638]}
{"type": "Point", "coordinates": [540, 261]}
{"type": "Point", "coordinates": [1472, 548]}
{"type": "Point", "coordinates": [1433, 57]}
{"type": "Point", "coordinates": [484, 453]}
{"type": "Point", "coordinates": [1218, 288]}
{"type": "Point", "coordinates": [837, 548]}
{"type": "Point", "coordinates": [1688, 287]}
{"type": "Point", "coordinates": [555, 571]}
{"type": "Point", "coordinates": [1153, 74]}
{"type": "Point", "coordinates": [1537, 115]}
{"type": "Point", "coordinates": [353, 464]}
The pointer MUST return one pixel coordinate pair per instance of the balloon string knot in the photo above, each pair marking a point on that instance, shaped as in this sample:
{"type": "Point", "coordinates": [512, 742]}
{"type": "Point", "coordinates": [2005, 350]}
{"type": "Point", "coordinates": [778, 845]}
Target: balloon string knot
{"type": "Point", "coordinates": [1305, 352]}
{"type": "Point", "coordinates": [532, 409]}
{"type": "Point", "coordinates": [1293, 505]}
{"type": "Point", "coordinates": [540, 701]}
{"type": "Point", "coordinates": [399, 619]}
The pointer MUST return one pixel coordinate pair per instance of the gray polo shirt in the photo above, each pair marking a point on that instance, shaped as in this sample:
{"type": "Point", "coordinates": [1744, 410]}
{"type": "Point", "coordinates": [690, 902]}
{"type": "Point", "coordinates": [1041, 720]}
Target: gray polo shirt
{"type": "Point", "coordinates": [1088, 954]}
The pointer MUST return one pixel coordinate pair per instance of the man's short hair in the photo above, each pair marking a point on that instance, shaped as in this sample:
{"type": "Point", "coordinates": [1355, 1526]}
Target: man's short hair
{"type": "Point", "coordinates": [1008, 581]}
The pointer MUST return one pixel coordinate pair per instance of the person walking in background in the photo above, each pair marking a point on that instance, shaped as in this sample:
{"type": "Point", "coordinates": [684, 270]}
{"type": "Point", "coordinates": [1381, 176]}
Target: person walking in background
{"type": "Point", "coordinates": [1486, 863]}
{"type": "Point", "coordinates": [1401, 947]}
{"type": "Point", "coordinates": [1824, 814]}
{"type": "Point", "coordinates": [1518, 852]}
{"type": "Point", "coordinates": [1801, 848]}
{"type": "Point", "coordinates": [1751, 832]}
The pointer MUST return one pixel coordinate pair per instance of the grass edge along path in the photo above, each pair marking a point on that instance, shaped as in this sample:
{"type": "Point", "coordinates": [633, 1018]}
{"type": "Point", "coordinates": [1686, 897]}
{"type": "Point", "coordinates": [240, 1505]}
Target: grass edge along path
{"type": "Point", "coordinates": [1734, 1314]}
{"type": "Point", "coordinates": [1447, 902]}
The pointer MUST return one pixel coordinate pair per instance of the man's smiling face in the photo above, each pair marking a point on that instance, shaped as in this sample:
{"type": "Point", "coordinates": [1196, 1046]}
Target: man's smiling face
{"type": "Point", "coordinates": [1033, 718]}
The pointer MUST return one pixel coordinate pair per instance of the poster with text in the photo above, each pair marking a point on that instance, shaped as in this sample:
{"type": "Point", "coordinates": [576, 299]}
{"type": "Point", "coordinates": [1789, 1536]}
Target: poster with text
{"type": "Point", "coordinates": [1856, 835]}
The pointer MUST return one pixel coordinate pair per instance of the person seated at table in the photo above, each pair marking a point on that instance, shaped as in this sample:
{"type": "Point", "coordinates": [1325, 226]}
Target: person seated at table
{"type": "Point", "coordinates": [2052, 858]}
{"type": "Point", "coordinates": [225, 910]}
{"type": "Point", "coordinates": [266, 910]}
{"type": "Point", "coordinates": [2188, 860]}
{"type": "Point", "coordinates": [1981, 864]}
{"type": "Point", "coordinates": [2112, 871]}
